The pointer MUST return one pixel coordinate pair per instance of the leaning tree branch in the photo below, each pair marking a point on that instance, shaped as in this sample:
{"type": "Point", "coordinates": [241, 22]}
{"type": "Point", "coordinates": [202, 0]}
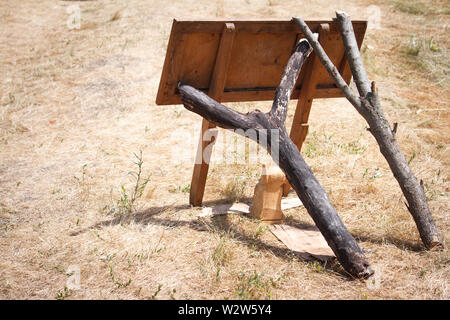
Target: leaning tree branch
{"type": "Point", "coordinates": [353, 56]}
{"type": "Point", "coordinates": [288, 79]}
{"type": "Point", "coordinates": [323, 57]}
{"type": "Point", "coordinates": [291, 162]}
{"type": "Point", "coordinates": [369, 106]}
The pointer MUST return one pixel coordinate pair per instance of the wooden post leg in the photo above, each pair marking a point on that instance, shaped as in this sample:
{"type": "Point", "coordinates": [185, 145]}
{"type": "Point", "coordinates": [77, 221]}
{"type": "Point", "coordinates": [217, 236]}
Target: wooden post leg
{"type": "Point", "coordinates": [216, 87]}
{"type": "Point", "coordinates": [201, 166]}
{"type": "Point", "coordinates": [299, 128]}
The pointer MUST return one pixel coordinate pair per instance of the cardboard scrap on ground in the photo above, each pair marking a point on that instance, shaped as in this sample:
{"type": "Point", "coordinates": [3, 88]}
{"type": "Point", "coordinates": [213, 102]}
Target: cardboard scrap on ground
{"type": "Point", "coordinates": [239, 208]}
{"type": "Point", "coordinates": [306, 242]}
{"type": "Point", "coordinates": [289, 203]}
{"type": "Point", "coordinates": [242, 208]}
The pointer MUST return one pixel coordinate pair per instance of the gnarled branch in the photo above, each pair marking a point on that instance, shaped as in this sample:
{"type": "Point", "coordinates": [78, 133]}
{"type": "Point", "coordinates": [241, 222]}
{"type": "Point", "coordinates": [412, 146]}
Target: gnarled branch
{"type": "Point", "coordinates": [369, 106]}
{"type": "Point", "coordinates": [291, 162]}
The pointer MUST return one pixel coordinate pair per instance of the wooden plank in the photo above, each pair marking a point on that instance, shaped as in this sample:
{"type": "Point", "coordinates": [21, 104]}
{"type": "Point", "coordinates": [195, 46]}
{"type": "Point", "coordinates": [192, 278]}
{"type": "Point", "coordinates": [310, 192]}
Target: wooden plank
{"type": "Point", "coordinates": [244, 208]}
{"type": "Point", "coordinates": [200, 50]}
{"type": "Point", "coordinates": [260, 51]}
{"type": "Point", "coordinates": [216, 88]}
{"type": "Point", "coordinates": [174, 57]}
{"type": "Point", "coordinates": [223, 60]}
{"type": "Point", "coordinates": [307, 241]}
{"type": "Point", "coordinates": [256, 26]}
{"type": "Point", "coordinates": [256, 64]}
{"type": "Point", "coordinates": [257, 94]}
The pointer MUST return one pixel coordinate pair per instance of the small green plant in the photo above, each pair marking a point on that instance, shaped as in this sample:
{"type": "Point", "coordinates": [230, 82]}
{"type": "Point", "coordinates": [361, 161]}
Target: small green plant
{"type": "Point", "coordinates": [372, 174]}
{"type": "Point", "coordinates": [261, 229]}
{"type": "Point", "coordinates": [424, 54]}
{"type": "Point", "coordinates": [153, 297]}
{"type": "Point", "coordinates": [218, 269]}
{"type": "Point", "coordinates": [64, 293]}
{"type": "Point", "coordinates": [83, 174]}
{"type": "Point", "coordinates": [202, 269]}
{"type": "Point", "coordinates": [431, 190]}
{"type": "Point", "coordinates": [254, 285]}
{"type": "Point", "coordinates": [352, 147]}
{"type": "Point", "coordinates": [185, 189]}
{"type": "Point", "coordinates": [433, 46]}
{"type": "Point", "coordinates": [127, 201]}
{"type": "Point", "coordinates": [119, 284]}
{"type": "Point", "coordinates": [323, 145]}
{"type": "Point", "coordinates": [422, 273]}
{"type": "Point", "coordinates": [221, 254]}
{"type": "Point", "coordinates": [316, 266]}
{"type": "Point", "coordinates": [413, 156]}
{"type": "Point", "coordinates": [234, 190]}
{"type": "Point", "coordinates": [178, 112]}
{"type": "Point", "coordinates": [414, 46]}
{"type": "Point", "coordinates": [172, 293]}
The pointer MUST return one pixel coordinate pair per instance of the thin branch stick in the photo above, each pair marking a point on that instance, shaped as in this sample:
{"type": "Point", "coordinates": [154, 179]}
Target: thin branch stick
{"type": "Point", "coordinates": [369, 106]}
{"type": "Point", "coordinates": [288, 80]}
{"type": "Point", "coordinates": [198, 102]}
{"type": "Point", "coordinates": [332, 70]}
{"type": "Point", "coordinates": [352, 53]}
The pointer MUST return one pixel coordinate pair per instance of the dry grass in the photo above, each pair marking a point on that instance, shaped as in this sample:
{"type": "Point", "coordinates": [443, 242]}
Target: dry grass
{"type": "Point", "coordinates": [76, 104]}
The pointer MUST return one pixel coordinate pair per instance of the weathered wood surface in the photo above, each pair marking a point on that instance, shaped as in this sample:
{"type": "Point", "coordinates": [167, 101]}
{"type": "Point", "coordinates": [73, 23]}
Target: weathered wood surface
{"type": "Point", "coordinates": [266, 204]}
{"type": "Point", "coordinates": [300, 126]}
{"type": "Point", "coordinates": [289, 159]}
{"type": "Point", "coordinates": [260, 52]}
{"type": "Point", "coordinates": [369, 106]}
{"type": "Point", "coordinates": [216, 88]}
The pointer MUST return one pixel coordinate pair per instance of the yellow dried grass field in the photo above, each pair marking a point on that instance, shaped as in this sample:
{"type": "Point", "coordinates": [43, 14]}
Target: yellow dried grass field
{"type": "Point", "coordinates": [76, 105]}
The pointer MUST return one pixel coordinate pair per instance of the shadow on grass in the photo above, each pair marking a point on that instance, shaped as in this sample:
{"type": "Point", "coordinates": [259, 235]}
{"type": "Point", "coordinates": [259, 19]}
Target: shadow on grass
{"type": "Point", "coordinates": [221, 224]}
{"type": "Point", "coordinates": [399, 243]}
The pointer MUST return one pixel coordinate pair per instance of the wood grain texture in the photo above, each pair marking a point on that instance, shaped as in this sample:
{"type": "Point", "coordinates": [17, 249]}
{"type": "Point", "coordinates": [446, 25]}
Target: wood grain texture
{"type": "Point", "coordinates": [216, 87]}
{"type": "Point", "coordinates": [260, 52]}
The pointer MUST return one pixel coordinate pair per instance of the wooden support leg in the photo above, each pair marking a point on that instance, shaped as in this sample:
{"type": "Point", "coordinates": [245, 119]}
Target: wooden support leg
{"type": "Point", "coordinates": [299, 128]}
{"type": "Point", "coordinates": [216, 87]}
{"type": "Point", "coordinates": [201, 166]}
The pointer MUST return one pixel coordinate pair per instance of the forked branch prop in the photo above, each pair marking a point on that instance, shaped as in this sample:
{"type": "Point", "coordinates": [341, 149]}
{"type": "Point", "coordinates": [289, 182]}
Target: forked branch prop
{"type": "Point", "coordinates": [369, 106]}
{"type": "Point", "coordinates": [291, 162]}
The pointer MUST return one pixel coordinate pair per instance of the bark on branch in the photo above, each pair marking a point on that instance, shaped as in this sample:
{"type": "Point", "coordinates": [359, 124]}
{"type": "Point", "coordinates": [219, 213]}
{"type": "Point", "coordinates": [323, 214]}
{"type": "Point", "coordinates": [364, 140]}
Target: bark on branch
{"type": "Point", "coordinates": [290, 160]}
{"type": "Point", "coordinates": [369, 106]}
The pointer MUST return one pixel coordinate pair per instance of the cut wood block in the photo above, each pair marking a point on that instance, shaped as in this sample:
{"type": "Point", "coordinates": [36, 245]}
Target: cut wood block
{"type": "Point", "coordinates": [306, 242]}
{"type": "Point", "coordinates": [267, 197]}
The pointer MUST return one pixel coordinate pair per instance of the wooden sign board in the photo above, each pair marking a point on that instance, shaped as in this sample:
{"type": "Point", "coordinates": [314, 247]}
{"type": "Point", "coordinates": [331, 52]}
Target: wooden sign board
{"type": "Point", "coordinates": [234, 61]}
{"type": "Point", "coordinates": [259, 53]}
